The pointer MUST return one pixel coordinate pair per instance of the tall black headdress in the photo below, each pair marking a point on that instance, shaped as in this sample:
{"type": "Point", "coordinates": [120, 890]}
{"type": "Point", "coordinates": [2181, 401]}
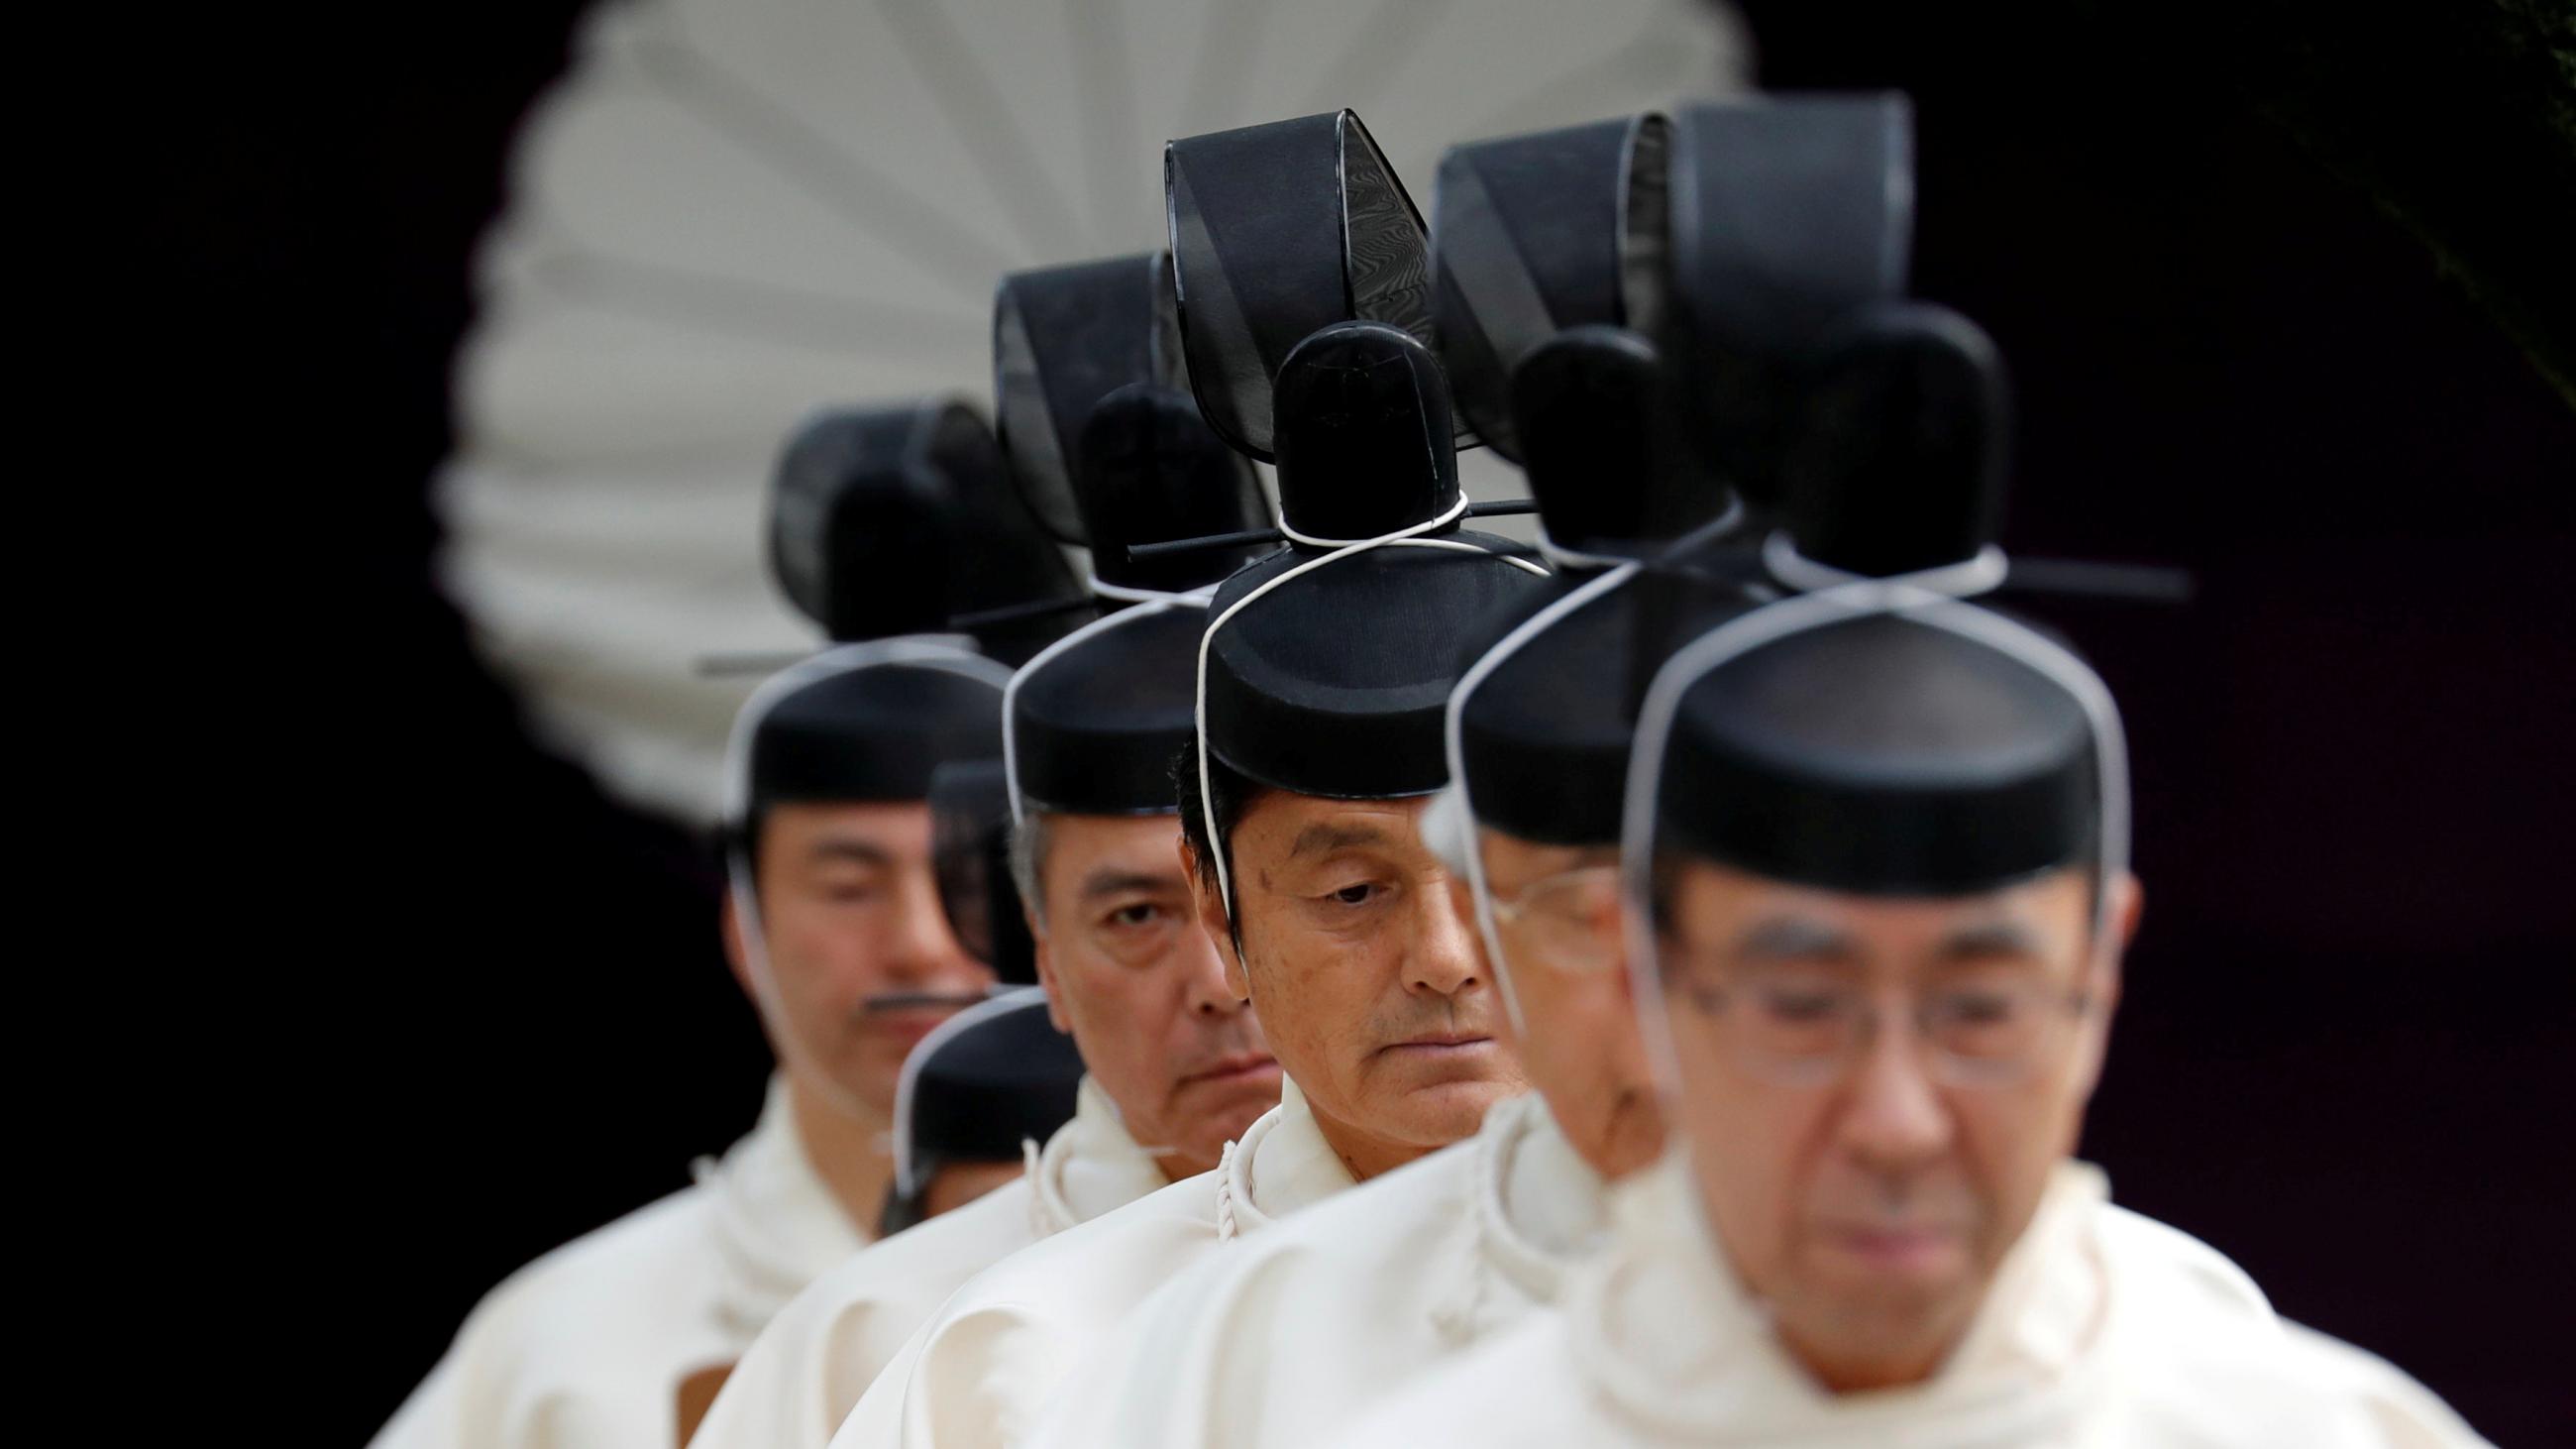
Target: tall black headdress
{"type": "Point", "coordinates": [1788, 214]}
{"type": "Point", "coordinates": [1326, 667]}
{"type": "Point", "coordinates": [1877, 733]}
{"type": "Point", "coordinates": [983, 1086]}
{"type": "Point", "coordinates": [900, 519]}
{"type": "Point", "coordinates": [1555, 278]}
{"type": "Point", "coordinates": [1118, 455]}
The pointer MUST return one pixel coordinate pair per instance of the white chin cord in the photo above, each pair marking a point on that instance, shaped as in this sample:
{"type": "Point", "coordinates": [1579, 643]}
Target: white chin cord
{"type": "Point", "coordinates": [1933, 598]}
{"type": "Point", "coordinates": [1408, 537]}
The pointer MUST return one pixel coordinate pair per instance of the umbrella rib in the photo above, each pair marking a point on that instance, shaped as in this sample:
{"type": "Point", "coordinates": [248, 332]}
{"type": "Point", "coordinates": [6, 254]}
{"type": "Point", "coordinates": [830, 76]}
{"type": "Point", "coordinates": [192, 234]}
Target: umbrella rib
{"type": "Point", "coordinates": [1378, 48]}
{"type": "Point", "coordinates": [1111, 131]}
{"type": "Point", "coordinates": [1199, 110]}
{"type": "Point", "coordinates": [882, 206]}
{"type": "Point", "coordinates": [978, 112]}
{"type": "Point", "coordinates": [735, 307]}
{"type": "Point", "coordinates": [1582, 81]}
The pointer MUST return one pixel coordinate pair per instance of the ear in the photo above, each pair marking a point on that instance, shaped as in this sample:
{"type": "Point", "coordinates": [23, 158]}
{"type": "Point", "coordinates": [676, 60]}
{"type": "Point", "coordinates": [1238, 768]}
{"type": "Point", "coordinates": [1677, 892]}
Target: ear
{"type": "Point", "coordinates": [1047, 979]}
{"type": "Point", "coordinates": [2126, 902]}
{"type": "Point", "coordinates": [1212, 919]}
{"type": "Point", "coordinates": [737, 956]}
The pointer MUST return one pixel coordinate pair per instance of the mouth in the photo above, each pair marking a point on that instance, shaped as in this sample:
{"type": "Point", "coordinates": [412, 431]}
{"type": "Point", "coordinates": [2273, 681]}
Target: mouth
{"type": "Point", "coordinates": [1241, 1067]}
{"type": "Point", "coordinates": [1439, 1044]}
{"type": "Point", "coordinates": [1899, 1251]}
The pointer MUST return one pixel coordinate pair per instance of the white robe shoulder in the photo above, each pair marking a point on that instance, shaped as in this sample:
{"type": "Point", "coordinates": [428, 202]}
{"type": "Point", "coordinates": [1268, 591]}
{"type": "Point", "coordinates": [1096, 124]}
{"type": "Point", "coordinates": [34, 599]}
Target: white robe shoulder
{"type": "Point", "coordinates": [807, 1369]}
{"type": "Point", "coordinates": [589, 1345]}
{"type": "Point", "coordinates": [980, 1370]}
{"type": "Point", "coordinates": [1273, 1342]}
{"type": "Point", "coordinates": [2105, 1330]}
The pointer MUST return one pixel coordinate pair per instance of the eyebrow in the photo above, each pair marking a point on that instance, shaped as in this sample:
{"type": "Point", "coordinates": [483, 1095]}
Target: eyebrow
{"type": "Point", "coordinates": [1793, 938]}
{"type": "Point", "coordinates": [858, 852]}
{"type": "Point", "coordinates": [1988, 939]}
{"type": "Point", "coordinates": [1323, 837]}
{"type": "Point", "coordinates": [1110, 880]}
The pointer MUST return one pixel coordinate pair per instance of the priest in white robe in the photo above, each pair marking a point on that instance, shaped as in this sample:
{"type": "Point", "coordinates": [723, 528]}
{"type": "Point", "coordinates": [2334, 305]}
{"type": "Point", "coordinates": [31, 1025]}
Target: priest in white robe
{"type": "Point", "coordinates": [1177, 1067]}
{"type": "Point", "coordinates": [1878, 887]}
{"type": "Point", "coordinates": [835, 929]}
{"type": "Point", "coordinates": [1273, 1343]}
{"type": "Point", "coordinates": [1305, 850]}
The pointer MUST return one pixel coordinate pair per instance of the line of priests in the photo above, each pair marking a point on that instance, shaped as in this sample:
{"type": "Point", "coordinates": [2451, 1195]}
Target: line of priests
{"type": "Point", "coordinates": [1638, 987]}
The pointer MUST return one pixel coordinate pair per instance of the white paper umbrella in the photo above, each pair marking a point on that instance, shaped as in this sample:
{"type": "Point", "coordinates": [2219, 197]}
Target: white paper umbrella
{"type": "Point", "coordinates": [732, 212]}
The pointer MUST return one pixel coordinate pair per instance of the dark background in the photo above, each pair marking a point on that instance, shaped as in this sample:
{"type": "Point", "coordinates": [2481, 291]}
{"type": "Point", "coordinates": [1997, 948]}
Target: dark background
{"type": "Point", "coordinates": [2341, 1058]}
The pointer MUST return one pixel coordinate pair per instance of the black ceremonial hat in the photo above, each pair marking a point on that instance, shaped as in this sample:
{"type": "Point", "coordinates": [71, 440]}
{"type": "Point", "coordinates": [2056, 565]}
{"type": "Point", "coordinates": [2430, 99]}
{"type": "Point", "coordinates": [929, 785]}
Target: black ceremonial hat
{"type": "Point", "coordinates": [865, 722]}
{"type": "Point", "coordinates": [1096, 720]}
{"type": "Point", "coordinates": [1279, 230]}
{"type": "Point", "coordinates": [1787, 214]}
{"type": "Point", "coordinates": [970, 854]}
{"type": "Point", "coordinates": [1332, 677]}
{"type": "Point", "coordinates": [1882, 755]}
{"type": "Point", "coordinates": [981, 1083]}
{"type": "Point", "coordinates": [1065, 339]}
{"type": "Point", "coordinates": [898, 519]}
{"type": "Point", "coordinates": [1535, 234]}
{"type": "Point", "coordinates": [1943, 750]}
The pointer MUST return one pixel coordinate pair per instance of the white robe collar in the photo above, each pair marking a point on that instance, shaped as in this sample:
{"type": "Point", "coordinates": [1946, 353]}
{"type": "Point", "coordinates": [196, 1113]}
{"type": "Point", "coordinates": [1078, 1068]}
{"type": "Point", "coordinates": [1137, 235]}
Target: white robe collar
{"type": "Point", "coordinates": [1281, 1163]}
{"type": "Point", "coordinates": [1092, 1165]}
{"type": "Point", "coordinates": [1670, 1336]}
{"type": "Point", "coordinates": [778, 1228]}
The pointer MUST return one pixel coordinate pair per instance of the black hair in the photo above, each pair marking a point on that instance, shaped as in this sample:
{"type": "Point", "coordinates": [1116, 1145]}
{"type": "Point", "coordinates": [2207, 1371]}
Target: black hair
{"type": "Point", "coordinates": [1229, 794]}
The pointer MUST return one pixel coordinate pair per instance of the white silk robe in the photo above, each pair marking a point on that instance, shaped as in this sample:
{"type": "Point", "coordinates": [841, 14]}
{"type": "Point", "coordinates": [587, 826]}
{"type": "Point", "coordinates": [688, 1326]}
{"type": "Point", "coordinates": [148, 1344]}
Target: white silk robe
{"type": "Point", "coordinates": [2104, 1329]}
{"type": "Point", "coordinates": [975, 1375]}
{"type": "Point", "coordinates": [808, 1368]}
{"type": "Point", "coordinates": [586, 1347]}
{"type": "Point", "coordinates": [1275, 1342]}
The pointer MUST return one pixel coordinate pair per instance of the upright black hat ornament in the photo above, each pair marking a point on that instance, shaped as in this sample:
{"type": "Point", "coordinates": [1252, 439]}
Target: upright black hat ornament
{"type": "Point", "coordinates": [1532, 235]}
{"type": "Point", "coordinates": [1788, 214]}
{"type": "Point", "coordinates": [1878, 734]}
{"type": "Point", "coordinates": [1278, 231]}
{"type": "Point", "coordinates": [899, 519]}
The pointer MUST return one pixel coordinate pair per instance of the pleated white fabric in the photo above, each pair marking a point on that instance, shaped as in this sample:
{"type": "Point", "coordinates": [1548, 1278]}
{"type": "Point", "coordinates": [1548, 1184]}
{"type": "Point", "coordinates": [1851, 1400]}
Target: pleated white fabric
{"type": "Point", "coordinates": [731, 213]}
{"type": "Point", "coordinates": [804, 1373]}
{"type": "Point", "coordinates": [980, 1370]}
{"type": "Point", "coordinates": [1292, 1334]}
{"type": "Point", "coordinates": [2105, 1329]}
{"type": "Point", "coordinates": [586, 1347]}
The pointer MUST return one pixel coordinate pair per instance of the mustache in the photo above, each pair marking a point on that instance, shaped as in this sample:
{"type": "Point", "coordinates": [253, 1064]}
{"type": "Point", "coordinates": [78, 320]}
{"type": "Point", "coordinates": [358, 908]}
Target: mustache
{"type": "Point", "coordinates": [1887, 1202]}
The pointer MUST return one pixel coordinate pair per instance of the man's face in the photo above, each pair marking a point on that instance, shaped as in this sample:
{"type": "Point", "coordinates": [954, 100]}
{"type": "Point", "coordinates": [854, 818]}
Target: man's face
{"type": "Point", "coordinates": [850, 916]}
{"type": "Point", "coordinates": [1363, 973]}
{"type": "Point", "coordinates": [1128, 971]}
{"type": "Point", "coordinates": [1556, 919]}
{"type": "Point", "coordinates": [1868, 1195]}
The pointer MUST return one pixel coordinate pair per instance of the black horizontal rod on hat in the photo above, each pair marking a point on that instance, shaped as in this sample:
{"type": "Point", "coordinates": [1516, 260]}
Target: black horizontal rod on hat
{"type": "Point", "coordinates": [1499, 508]}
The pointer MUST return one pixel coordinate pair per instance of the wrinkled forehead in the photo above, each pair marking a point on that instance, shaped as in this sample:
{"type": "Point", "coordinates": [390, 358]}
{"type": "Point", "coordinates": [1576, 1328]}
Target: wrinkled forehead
{"type": "Point", "coordinates": [1080, 849]}
{"type": "Point", "coordinates": [1282, 827]}
{"type": "Point", "coordinates": [1713, 910]}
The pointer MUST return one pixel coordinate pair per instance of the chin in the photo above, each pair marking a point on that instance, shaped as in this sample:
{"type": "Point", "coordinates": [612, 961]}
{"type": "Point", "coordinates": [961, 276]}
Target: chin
{"type": "Point", "coordinates": [1446, 1112]}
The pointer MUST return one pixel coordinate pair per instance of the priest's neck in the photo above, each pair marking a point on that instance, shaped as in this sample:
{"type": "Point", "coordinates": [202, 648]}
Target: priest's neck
{"type": "Point", "coordinates": [849, 1148]}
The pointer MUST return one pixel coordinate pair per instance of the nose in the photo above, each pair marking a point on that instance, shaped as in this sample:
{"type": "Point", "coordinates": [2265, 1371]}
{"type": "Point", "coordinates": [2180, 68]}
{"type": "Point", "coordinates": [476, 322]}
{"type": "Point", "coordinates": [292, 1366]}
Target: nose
{"type": "Point", "coordinates": [1894, 1118]}
{"type": "Point", "coordinates": [921, 948]}
{"type": "Point", "coordinates": [1203, 985]}
{"type": "Point", "coordinates": [1443, 960]}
